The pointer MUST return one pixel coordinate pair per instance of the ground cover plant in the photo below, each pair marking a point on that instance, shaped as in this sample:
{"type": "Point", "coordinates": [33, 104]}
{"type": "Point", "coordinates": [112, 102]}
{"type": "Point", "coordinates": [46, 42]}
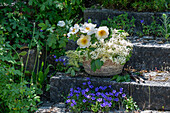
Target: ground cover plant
{"type": "Point", "coordinates": [135, 5]}
{"type": "Point", "coordinates": [98, 99]}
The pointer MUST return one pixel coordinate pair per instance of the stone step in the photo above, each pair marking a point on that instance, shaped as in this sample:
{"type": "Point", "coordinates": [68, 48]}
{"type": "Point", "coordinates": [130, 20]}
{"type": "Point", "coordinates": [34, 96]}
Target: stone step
{"type": "Point", "coordinates": [150, 56]}
{"type": "Point", "coordinates": [61, 108]}
{"type": "Point", "coordinates": [151, 95]}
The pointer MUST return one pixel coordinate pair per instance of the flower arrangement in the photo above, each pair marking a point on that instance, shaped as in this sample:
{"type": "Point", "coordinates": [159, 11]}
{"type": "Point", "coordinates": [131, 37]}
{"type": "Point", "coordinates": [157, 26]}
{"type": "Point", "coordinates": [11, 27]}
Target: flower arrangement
{"type": "Point", "coordinates": [99, 45]}
{"type": "Point", "coordinates": [98, 99]}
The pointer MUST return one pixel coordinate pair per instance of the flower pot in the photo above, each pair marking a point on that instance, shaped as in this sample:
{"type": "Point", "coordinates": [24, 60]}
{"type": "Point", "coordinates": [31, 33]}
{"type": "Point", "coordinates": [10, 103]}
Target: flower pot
{"type": "Point", "coordinates": [108, 69]}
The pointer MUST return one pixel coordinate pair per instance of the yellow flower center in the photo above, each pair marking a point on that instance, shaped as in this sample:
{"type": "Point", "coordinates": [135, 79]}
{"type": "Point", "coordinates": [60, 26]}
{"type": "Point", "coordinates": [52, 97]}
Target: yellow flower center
{"type": "Point", "coordinates": [87, 28]}
{"type": "Point", "coordinates": [84, 41]}
{"type": "Point", "coordinates": [102, 33]}
{"type": "Point", "coordinates": [74, 29]}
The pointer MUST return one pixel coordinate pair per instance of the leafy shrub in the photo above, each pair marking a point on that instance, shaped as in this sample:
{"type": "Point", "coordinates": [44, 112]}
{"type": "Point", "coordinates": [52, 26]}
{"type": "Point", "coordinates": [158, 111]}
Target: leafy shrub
{"type": "Point", "coordinates": [121, 22]}
{"type": "Point", "coordinates": [136, 5]}
{"type": "Point", "coordinates": [15, 95]}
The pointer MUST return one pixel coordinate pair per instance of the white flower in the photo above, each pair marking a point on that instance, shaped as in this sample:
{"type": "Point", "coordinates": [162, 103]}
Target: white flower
{"type": "Point", "coordinates": [61, 23]}
{"type": "Point", "coordinates": [73, 30]}
{"type": "Point", "coordinates": [88, 28]}
{"type": "Point", "coordinates": [102, 32]}
{"type": "Point", "coordinates": [84, 41]}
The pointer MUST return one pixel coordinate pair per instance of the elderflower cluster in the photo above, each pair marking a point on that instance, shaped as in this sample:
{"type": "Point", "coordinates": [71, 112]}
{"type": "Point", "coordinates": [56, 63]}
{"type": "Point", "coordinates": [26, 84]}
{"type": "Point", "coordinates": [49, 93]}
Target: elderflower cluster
{"type": "Point", "coordinates": [97, 43]}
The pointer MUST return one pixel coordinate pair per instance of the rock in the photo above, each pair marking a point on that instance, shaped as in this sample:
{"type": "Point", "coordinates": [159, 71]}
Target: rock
{"type": "Point", "coordinates": [148, 37]}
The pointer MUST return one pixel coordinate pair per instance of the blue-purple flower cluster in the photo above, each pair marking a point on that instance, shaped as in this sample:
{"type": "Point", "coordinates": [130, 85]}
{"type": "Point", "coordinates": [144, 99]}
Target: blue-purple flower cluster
{"type": "Point", "coordinates": [103, 96]}
{"type": "Point", "coordinates": [60, 60]}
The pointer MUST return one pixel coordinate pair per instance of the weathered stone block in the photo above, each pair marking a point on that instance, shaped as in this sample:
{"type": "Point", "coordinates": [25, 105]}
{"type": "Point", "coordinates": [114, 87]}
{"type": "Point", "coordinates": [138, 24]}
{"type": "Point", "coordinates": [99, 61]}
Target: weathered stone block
{"type": "Point", "coordinates": [149, 95]}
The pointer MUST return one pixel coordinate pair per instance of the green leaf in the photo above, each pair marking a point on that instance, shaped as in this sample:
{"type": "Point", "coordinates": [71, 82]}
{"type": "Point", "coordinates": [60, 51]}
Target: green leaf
{"type": "Point", "coordinates": [98, 63]}
{"type": "Point", "coordinates": [93, 66]}
{"type": "Point", "coordinates": [72, 72]}
{"type": "Point", "coordinates": [119, 78]}
{"type": "Point", "coordinates": [23, 53]}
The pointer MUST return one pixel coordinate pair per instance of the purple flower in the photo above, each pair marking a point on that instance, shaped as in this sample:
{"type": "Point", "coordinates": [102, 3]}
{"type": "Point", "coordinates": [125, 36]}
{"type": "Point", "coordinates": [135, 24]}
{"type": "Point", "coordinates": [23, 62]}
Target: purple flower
{"type": "Point", "coordinates": [89, 82]}
{"type": "Point", "coordinates": [110, 104]}
{"type": "Point", "coordinates": [91, 86]}
{"type": "Point", "coordinates": [116, 99]}
{"type": "Point", "coordinates": [123, 95]}
{"type": "Point", "coordinates": [92, 94]}
{"type": "Point", "coordinates": [64, 63]}
{"type": "Point", "coordinates": [54, 56]}
{"type": "Point", "coordinates": [107, 93]}
{"type": "Point", "coordinates": [121, 89]}
{"type": "Point", "coordinates": [72, 104]}
{"type": "Point", "coordinates": [78, 88]}
{"type": "Point", "coordinates": [71, 89]}
{"type": "Point", "coordinates": [60, 59]}
{"type": "Point", "coordinates": [116, 94]}
{"type": "Point", "coordinates": [88, 78]}
{"type": "Point", "coordinates": [56, 60]}
{"type": "Point", "coordinates": [84, 83]}
{"type": "Point", "coordinates": [96, 89]}
{"type": "Point", "coordinates": [110, 86]}
{"type": "Point", "coordinates": [88, 96]}
{"type": "Point", "coordinates": [71, 94]}
{"type": "Point", "coordinates": [98, 93]}
{"type": "Point", "coordinates": [84, 100]}
{"type": "Point", "coordinates": [109, 98]}
{"type": "Point", "coordinates": [41, 30]}
{"type": "Point", "coordinates": [68, 101]}
{"type": "Point", "coordinates": [110, 93]}
{"type": "Point", "coordinates": [141, 21]}
{"type": "Point", "coordinates": [104, 104]}
{"type": "Point", "coordinates": [93, 98]}
{"type": "Point", "coordinates": [77, 95]}
{"type": "Point", "coordinates": [114, 91]}
{"type": "Point", "coordinates": [99, 99]}
{"type": "Point", "coordinates": [83, 92]}
{"type": "Point", "coordinates": [87, 90]}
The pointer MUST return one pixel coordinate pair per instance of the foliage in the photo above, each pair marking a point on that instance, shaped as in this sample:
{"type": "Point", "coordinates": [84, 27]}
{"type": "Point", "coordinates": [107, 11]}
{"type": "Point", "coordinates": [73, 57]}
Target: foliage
{"type": "Point", "coordinates": [17, 17]}
{"type": "Point", "coordinates": [130, 104]}
{"type": "Point", "coordinates": [96, 99]}
{"type": "Point", "coordinates": [136, 5]}
{"type": "Point", "coordinates": [151, 30]}
{"type": "Point", "coordinates": [15, 95]}
{"type": "Point", "coordinates": [121, 78]}
{"type": "Point", "coordinates": [121, 22]}
{"type": "Point", "coordinates": [97, 45]}
{"type": "Point", "coordinates": [165, 28]}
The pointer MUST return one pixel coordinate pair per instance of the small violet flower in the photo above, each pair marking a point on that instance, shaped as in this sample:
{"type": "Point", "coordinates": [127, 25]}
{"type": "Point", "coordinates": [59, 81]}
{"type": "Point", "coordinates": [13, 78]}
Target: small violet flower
{"type": "Point", "coordinates": [116, 94]}
{"type": "Point", "coordinates": [116, 99]}
{"type": "Point", "coordinates": [84, 100]}
{"type": "Point", "coordinates": [41, 30]}
{"type": "Point", "coordinates": [99, 99]}
{"type": "Point", "coordinates": [56, 60]}
{"type": "Point", "coordinates": [123, 95]}
{"type": "Point", "coordinates": [68, 101]}
{"type": "Point", "coordinates": [54, 56]}
{"type": "Point", "coordinates": [141, 21]}
{"type": "Point", "coordinates": [84, 83]}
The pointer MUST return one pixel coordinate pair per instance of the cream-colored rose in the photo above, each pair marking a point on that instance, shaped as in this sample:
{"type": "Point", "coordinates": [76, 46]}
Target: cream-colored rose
{"type": "Point", "coordinates": [102, 32]}
{"type": "Point", "coordinates": [84, 41]}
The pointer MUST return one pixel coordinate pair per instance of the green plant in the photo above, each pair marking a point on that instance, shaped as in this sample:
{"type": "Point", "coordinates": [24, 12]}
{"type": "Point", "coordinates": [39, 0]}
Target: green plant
{"type": "Point", "coordinates": [15, 94]}
{"type": "Point", "coordinates": [136, 5]}
{"type": "Point", "coordinates": [97, 99]}
{"type": "Point", "coordinates": [151, 30]}
{"type": "Point", "coordinates": [130, 105]}
{"type": "Point", "coordinates": [121, 22]}
{"type": "Point", "coordinates": [121, 78]}
{"type": "Point", "coordinates": [165, 28]}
